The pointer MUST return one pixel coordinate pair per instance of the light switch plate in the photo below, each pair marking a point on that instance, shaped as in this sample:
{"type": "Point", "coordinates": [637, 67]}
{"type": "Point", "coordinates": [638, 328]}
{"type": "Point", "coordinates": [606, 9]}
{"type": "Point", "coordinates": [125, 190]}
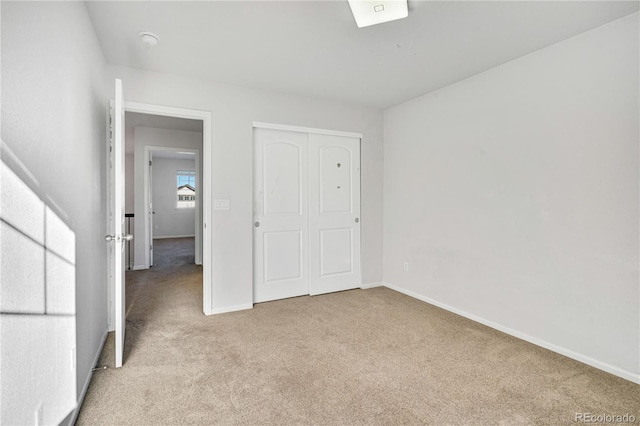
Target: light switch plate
{"type": "Point", "coordinates": [222, 205]}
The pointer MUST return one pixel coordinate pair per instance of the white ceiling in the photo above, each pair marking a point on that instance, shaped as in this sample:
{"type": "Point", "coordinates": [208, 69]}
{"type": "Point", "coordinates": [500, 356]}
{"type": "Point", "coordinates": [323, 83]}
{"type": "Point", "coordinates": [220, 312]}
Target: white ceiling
{"type": "Point", "coordinates": [313, 48]}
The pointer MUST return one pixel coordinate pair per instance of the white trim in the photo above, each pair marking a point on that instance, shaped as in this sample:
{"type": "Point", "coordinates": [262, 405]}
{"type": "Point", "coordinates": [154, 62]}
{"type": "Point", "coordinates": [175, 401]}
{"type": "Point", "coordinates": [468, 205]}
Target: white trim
{"type": "Point", "coordinates": [172, 236]}
{"type": "Point", "coordinates": [616, 371]}
{"type": "Point", "coordinates": [257, 124]}
{"type": "Point", "coordinates": [87, 381]}
{"type": "Point", "coordinates": [206, 187]}
{"type": "Point", "coordinates": [372, 285]}
{"type": "Point", "coordinates": [139, 267]}
{"type": "Point", "coordinates": [148, 149]}
{"type": "Point", "coordinates": [232, 308]}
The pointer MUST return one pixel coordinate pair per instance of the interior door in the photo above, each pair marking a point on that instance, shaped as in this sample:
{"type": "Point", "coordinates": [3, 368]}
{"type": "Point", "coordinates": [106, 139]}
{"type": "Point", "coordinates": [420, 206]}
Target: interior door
{"type": "Point", "coordinates": [117, 236]}
{"type": "Point", "coordinates": [280, 215]}
{"type": "Point", "coordinates": [334, 213]}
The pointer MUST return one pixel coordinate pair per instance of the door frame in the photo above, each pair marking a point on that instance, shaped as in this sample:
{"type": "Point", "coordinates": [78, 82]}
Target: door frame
{"type": "Point", "coordinates": [148, 149]}
{"type": "Point", "coordinates": [206, 191]}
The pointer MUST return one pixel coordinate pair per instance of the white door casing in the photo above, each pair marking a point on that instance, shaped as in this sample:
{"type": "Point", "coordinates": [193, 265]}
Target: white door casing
{"type": "Point", "coordinates": [306, 212]}
{"type": "Point", "coordinates": [150, 212]}
{"type": "Point", "coordinates": [280, 215]}
{"type": "Point", "coordinates": [204, 196]}
{"type": "Point", "coordinates": [334, 213]}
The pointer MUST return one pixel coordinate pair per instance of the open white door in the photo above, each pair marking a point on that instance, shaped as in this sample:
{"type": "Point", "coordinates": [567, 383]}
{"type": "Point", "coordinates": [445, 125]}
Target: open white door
{"type": "Point", "coordinates": [117, 236]}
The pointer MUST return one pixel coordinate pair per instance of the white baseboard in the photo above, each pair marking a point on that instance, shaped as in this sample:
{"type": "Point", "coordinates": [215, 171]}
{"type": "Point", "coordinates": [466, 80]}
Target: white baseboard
{"type": "Point", "coordinates": [372, 285]}
{"type": "Point", "coordinates": [139, 267]}
{"type": "Point", "coordinates": [235, 308]}
{"type": "Point", "coordinates": [616, 371]}
{"type": "Point", "coordinates": [74, 417]}
{"type": "Point", "coordinates": [172, 236]}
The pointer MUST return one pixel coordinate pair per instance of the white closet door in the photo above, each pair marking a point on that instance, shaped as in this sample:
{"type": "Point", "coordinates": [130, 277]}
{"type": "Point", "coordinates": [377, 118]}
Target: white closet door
{"type": "Point", "coordinates": [334, 213]}
{"type": "Point", "coordinates": [280, 215]}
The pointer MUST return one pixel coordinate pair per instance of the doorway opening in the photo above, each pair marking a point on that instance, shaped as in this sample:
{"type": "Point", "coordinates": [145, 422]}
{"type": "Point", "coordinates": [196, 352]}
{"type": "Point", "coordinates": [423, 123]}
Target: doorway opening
{"type": "Point", "coordinates": [171, 191]}
{"type": "Point", "coordinates": [168, 134]}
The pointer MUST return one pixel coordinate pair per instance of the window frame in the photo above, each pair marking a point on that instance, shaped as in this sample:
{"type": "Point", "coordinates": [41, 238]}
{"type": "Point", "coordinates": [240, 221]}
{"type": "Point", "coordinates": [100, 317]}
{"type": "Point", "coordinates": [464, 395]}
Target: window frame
{"type": "Point", "coordinates": [185, 201]}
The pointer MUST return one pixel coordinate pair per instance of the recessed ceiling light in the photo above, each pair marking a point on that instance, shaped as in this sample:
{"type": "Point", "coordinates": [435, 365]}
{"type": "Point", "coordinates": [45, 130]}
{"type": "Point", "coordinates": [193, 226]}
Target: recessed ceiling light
{"type": "Point", "coordinates": [148, 39]}
{"type": "Point", "coordinates": [371, 12]}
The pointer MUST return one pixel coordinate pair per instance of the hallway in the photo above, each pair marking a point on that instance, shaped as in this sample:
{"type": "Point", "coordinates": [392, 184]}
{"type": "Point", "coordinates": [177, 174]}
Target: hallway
{"type": "Point", "coordinates": [162, 295]}
{"type": "Point", "coordinates": [173, 286]}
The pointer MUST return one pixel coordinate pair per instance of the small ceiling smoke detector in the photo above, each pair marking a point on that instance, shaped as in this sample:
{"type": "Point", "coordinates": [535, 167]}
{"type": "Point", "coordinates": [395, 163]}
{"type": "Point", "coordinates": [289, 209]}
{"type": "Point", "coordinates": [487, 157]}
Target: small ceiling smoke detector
{"type": "Point", "coordinates": [371, 12]}
{"type": "Point", "coordinates": [148, 39]}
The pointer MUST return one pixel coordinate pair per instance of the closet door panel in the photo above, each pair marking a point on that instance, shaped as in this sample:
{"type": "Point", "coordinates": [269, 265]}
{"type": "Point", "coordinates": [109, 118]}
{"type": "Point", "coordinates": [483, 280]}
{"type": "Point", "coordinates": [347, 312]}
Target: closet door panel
{"type": "Point", "coordinates": [281, 243]}
{"type": "Point", "coordinates": [334, 213]}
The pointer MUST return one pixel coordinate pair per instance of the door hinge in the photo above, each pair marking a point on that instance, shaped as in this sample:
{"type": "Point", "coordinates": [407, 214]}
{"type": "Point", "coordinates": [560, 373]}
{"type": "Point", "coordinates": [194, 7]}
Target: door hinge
{"type": "Point", "coordinates": [150, 162]}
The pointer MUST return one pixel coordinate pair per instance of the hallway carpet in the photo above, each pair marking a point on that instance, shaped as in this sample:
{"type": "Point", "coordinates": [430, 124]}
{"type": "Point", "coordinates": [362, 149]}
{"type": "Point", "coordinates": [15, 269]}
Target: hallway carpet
{"type": "Point", "coordinates": [362, 357]}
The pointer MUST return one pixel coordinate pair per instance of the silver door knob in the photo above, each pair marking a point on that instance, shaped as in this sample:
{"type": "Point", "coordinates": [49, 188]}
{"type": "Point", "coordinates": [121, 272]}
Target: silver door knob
{"type": "Point", "coordinates": [257, 224]}
{"type": "Point", "coordinates": [109, 238]}
{"type": "Point", "coordinates": [357, 220]}
{"type": "Point", "coordinates": [128, 237]}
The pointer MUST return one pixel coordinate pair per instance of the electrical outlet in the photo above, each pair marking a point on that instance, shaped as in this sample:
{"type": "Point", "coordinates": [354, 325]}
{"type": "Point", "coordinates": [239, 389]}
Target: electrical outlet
{"type": "Point", "coordinates": [406, 266]}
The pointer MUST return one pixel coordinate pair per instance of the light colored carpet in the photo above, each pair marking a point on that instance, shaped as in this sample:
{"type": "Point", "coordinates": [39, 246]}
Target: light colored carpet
{"type": "Point", "coordinates": [362, 357]}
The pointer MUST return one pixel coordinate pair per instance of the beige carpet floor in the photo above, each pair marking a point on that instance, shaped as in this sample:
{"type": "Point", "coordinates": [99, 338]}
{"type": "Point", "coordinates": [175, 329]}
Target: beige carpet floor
{"type": "Point", "coordinates": [361, 357]}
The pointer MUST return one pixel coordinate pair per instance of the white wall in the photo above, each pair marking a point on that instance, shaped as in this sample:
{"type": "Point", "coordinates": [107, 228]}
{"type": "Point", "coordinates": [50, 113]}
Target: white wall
{"type": "Point", "coordinates": [170, 221]}
{"type": "Point", "coordinates": [147, 136]}
{"type": "Point", "coordinates": [234, 109]}
{"type": "Point", "coordinates": [53, 120]}
{"type": "Point", "coordinates": [513, 195]}
{"type": "Point", "coordinates": [129, 195]}
{"type": "Point", "coordinates": [37, 307]}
